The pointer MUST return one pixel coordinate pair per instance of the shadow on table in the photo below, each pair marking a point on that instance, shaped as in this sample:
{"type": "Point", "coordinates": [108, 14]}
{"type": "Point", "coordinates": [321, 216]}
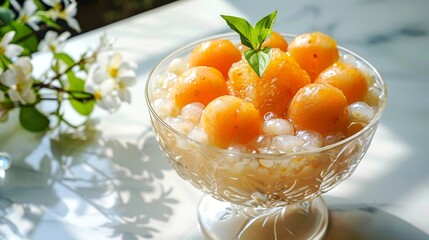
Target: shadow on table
{"type": "Point", "coordinates": [117, 186]}
{"type": "Point", "coordinates": [362, 222]}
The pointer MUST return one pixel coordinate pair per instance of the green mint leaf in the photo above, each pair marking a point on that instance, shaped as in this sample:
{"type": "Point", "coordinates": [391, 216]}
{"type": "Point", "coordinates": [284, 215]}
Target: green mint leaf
{"type": "Point", "coordinates": [264, 27]}
{"type": "Point", "coordinates": [254, 37]}
{"type": "Point", "coordinates": [33, 120]}
{"type": "Point", "coordinates": [242, 27]}
{"type": "Point", "coordinates": [258, 60]}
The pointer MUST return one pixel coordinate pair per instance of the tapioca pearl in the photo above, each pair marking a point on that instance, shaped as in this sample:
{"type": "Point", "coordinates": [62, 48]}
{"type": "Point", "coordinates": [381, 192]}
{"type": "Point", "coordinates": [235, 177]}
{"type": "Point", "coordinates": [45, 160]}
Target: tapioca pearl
{"type": "Point", "coordinates": [253, 164]}
{"type": "Point", "coordinates": [238, 148]}
{"type": "Point", "coordinates": [169, 80]}
{"type": "Point", "coordinates": [361, 112]}
{"type": "Point", "coordinates": [333, 138]}
{"type": "Point", "coordinates": [348, 59]}
{"type": "Point", "coordinates": [262, 141]}
{"type": "Point", "coordinates": [159, 80]}
{"type": "Point", "coordinates": [160, 93]}
{"type": "Point", "coordinates": [269, 116]}
{"type": "Point", "coordinates": [278, 126]}
{"type": "Point", "coordinates": [180, 124]}
{"type": "Point", "coordinates": [313, 140]}
{"type": "Point", "coordinates": [198, 134]}
{"type": "Point", "coordinates": [165, 107]}
{"type": "Point", "coordinates": [193, 111]}
{"type": "Point", "coordinates": [373, 95]}
{"type": "Point", "coordinates": [268, 150]}
{"type": "Point", "coordinates": [266, 163]}
{"type": "Point", "coordinates": [178, 66]}
{"type": "Point", "coordinates": [288, 143]}
{"type": "Point", "coordinates": [239, 166]}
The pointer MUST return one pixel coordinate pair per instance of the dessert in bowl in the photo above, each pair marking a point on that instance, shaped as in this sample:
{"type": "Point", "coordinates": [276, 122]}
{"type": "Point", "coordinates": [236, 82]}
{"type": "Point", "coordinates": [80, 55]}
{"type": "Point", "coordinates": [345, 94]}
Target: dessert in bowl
{"type": "Point", "coordinates": [262, 172]}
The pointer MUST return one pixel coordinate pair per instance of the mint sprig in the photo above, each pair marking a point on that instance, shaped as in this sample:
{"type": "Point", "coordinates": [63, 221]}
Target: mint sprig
{"type": "Point", "coordinates": [253, 37]}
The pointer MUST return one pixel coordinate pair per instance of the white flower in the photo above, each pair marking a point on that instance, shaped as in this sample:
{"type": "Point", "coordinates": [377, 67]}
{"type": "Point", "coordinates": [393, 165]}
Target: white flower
{"type": "Point", "coordinates": [123, 73]}
{"type": "Point", "coordinates": [66, 13]}
{"type": "Point", "coordinates": [106, 43]}
{"type": "Point", "coordinates": [8, 49]}
{"type": "Point", "coordinates": [15, 4]}
{"type": "Point", "coordinates": [104, 93]}
{"type": "Point", "coordinates": [27, 14]}
{"type": "Point", "coordinates": [52, 42]}
{"type": "Point", "coordinates": [18, 79]}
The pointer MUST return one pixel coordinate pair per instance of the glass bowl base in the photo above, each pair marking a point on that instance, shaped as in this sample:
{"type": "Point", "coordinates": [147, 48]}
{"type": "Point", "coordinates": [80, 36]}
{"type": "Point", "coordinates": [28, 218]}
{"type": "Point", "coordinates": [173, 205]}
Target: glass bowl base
{"type": "Point", "coordinates": [223, 220]}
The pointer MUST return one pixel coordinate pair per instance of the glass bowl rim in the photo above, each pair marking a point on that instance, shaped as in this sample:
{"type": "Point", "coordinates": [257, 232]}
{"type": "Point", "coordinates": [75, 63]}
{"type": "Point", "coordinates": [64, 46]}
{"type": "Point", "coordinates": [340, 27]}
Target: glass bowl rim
{"type": "Point", "coordinates": [273, 156]}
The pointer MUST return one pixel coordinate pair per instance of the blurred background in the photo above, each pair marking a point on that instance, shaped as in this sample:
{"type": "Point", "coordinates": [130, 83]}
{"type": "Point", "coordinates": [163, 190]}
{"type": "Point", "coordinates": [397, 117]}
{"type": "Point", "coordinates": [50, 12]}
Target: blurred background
{"type": "Point", "coordinates": [93, 14]}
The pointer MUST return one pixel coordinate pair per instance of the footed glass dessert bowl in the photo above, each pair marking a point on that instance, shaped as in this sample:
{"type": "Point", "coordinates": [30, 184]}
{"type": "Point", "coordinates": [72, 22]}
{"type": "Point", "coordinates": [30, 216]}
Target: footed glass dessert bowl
{"type": "Point", "coordinates": [259, 195]}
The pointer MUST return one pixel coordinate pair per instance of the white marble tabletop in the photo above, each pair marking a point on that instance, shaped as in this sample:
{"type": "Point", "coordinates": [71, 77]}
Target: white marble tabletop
{"type": "Point", "coordinates": [117, 185]}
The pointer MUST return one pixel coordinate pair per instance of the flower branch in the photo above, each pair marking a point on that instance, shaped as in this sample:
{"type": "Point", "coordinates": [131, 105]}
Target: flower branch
{"type": "Point", "coordinates": [98, 78]}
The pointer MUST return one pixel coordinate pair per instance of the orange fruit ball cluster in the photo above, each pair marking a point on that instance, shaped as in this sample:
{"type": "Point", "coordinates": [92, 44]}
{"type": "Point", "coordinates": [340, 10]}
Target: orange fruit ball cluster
{"type": "Point", "coordinates": [305, 83]}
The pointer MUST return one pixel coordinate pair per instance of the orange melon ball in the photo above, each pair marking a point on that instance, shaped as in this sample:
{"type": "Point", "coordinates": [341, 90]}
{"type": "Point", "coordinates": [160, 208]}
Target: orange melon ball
{"type": "Point", "coordinates": [275, 40]}
{"type": "Point", "coordinates": [347, 78]}
{"type": "Point", "coordinates": [229, 119]}
{"type": "Point", "coordinates": [198, 84]}
{"type": "Point", "coordinates": [218, 53]}
{"type": "Point", "coordinates": [276, 87]}
{"type": "Point", "coordinates": [314, 52]}
{"type": "Point", "coordinates": [319, 107]}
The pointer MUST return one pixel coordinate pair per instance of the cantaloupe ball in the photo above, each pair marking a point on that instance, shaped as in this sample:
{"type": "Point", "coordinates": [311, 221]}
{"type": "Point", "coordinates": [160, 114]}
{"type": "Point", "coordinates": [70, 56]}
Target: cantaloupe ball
{"type": "Point", "coordinates": [319, 107]}
{"type": "Point", "coordinates": [276, 40]}
{"type": "Point", "coordinates": [314, 52]}
{"type": "Point", "coordinates": [198, 84]}
{"type": "Point", "coordinates": [230, 120]}
{"type": "Point", "coordinates": [347, 78]}
{"type": "Point", "coordinates": [217, 53]}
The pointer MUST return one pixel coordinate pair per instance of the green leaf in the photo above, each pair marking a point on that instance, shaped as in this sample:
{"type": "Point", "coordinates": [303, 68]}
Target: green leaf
{"type": "Point", "coordinates": [39, 4]}
{"type": "Point", "coordinates": [77, 85]}
{"type": "Point", "coordinates": [4, 62]}
{"type": "Point", "coordinates": [258, 60]}
{"type": "Point", "coordinates": [254, 37]}
{"type": "Point", "coordinates": [33, 120]}
{"type": "Point", "coordinates": [242, 27]}
{"type": "Point", "coordinates": [65, 58]}
{"type": "Point", "coordinates": [6, 4]}
{"type": "Point", "coordinates": [264, 27]}
{"type": "Point", "coordinates": [6, 16]}
{"type": "Point", "coordinates": [51, 23]}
